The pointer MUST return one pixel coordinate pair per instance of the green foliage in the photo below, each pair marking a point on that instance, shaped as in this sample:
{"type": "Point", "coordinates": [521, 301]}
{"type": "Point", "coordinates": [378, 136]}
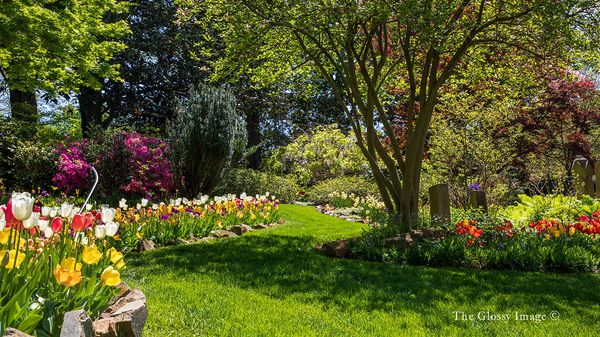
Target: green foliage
{"type": "Point", "coordinates": [205, 136]}
{"type": "Point", "coordinates": [34, 165]}
{"type": "Point", "coordinates": [324, 191]}
{"type": "Point", "coordinates": [59, 46]}
{"type": "Point", "coordinates": [323, 154]}
{"type": "Point", "coordinates": [561, 207]}
{"type": "Point", "coordinates": [252, 182]}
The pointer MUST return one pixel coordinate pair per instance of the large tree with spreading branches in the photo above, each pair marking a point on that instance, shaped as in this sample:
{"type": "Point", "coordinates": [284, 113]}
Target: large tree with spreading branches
{"type": "Point", "coordinates": [365, 47]}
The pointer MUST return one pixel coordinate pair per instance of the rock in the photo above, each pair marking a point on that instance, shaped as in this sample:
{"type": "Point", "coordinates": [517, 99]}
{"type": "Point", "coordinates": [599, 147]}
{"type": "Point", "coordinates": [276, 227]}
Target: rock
{"type": "Point", "coordinates": [402, 241]}
{"type": "Point", "coordinates": [223, 234]}
{"type": "Point", "coordinates": [281, 221]}
{"type": "Point", "coordinates": [405, 240]}
{"type": "Point", "coordinates": [105, 327]}
{"type": "Point", "coordinates": [145, 245]}
{"type": "Point", "coordinates": [12, 332]}
{"type": "Point", "coordinates": [241, 229]}
{"type": "Point", "coordinates": [129, 297]}
{"type": "Point", "coordinates": [261, 226]}
{"type": "Point", "coordinates": [77, 324]}
{"type": "Point", "coordinates": [339, 249]}
{"type": "Point", "coordinates": [130, 319]}
{"type": "Point", "coordinates": [206, 239]}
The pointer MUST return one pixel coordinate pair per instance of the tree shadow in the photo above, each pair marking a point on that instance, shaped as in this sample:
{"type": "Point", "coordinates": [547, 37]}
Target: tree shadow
{"type": "Point", "coordinates": [283, 266]}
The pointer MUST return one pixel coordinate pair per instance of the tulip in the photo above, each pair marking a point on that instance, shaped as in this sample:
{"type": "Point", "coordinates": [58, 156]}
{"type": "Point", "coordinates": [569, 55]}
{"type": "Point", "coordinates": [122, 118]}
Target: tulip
{"type": "Point", "coordinates": [88, 207]}
{"type": "Point", "coordinates": [15, 258]}
{"type": "Point", "coordinates": [66, 209]}
{"type": "Point", "coordinates": [110, 276]}
{"type": "Point", "coordinates": [116, 257]}
{"type": "Point", "coordinates": [45, 211]}
{"type": "Point", "coordinates": [78, 223]}
{"type": "Point", "coordinates": [68, 272]}
{"type": "Point", "coordinates": [123, 204]}
{"type": "Point", "coordinates": [112, 228]}
{"type": "Point", "coordinates": [22, 205]}
{"type": "Point", "coordinates": [91, 255]}
{"type": "Point", "coordinates": [144, 202]}
{"type": "Point", "coordinates": [2, 221]}
{"type": "Point", "coordinates": [89, 220]}
{"type": "Point", "coordinates": [100, 232]}
{"type": "Point", "coordinates": [31, 221]}
{"type": "Point", "coordinates": [48, 232]}
{"type": "Point", "coordinates": [53, 212]}
{"type": "Point", "coordinates": [108, 215]}
{"type": "Point", "coordinates": [43, 224]}
{"type": "Point", "coordinates": [57, 224]}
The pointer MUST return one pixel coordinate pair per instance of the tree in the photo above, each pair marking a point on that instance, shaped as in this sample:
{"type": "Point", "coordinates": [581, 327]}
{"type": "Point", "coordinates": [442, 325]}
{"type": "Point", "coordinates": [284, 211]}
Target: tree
{"type": "Point", "coordinates": [361, 47]}
{"type": "Point", "coordinates": [56, 47]}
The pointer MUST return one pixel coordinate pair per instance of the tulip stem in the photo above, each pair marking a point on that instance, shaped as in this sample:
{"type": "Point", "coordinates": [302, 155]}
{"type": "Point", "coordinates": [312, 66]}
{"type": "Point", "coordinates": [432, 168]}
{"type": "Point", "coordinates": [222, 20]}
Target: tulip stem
{"type": "Point", "coordinates": [91, 191]}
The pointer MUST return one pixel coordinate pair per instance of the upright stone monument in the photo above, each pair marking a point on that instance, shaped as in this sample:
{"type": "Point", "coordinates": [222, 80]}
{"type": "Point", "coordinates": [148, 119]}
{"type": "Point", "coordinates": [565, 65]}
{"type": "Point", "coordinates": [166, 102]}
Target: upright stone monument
{"type": "Point", "coordinates": [477, 199]}
{"type": "Point", "coordinates": [439, 203]}
{"type": "Point", "coordinates": [583, 180]}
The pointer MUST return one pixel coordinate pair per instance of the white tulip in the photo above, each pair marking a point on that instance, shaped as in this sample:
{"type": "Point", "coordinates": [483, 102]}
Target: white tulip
{"type": "Point", "coordinates": [43, 224]}
{"type": "Point", "coordinates": [48, 232]}
{"type": "Point", "coordinates": [2, 224]}
{"type": "Point", "coordinates": [123, 203]}
{"type": "Point", "coordinates": [88, 207]}
{"type": "Point", "coordinates": [66, 209]}
{"type": "Point", "coordinates": [100, 232]}
{"type": "Point", "coordinates": [31, 221]}
{"type": "Point", "coordinates": [112, 228]}
{"type": "Point", "coordinates": [45, 211]}
{"type": "Point", "coordinates": [22, 205]}
{"type": "Point", "coordinates": [144, 202]}
{"type": "Point", "coordinates": [108, 215]}
{"type": "Point", "coordinates": [1, 214]}
{"type": "Point", "coordinates": [138, 206]}
{"type": "Point", "coordinates": [178, 202]}
{"type": "Point", "coordinates": [53, 212]}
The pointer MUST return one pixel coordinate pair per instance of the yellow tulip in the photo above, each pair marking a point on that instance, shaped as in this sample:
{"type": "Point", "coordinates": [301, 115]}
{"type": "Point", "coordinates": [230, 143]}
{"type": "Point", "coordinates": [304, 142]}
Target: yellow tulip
{"type": "Point", "coordinates": [68, 272]}
{"type": "Point", "coordinates": [91, 255]}
{"type": "Point", "coordinates": [116, 257]}
{"type": "Point", "coordinates": [110, 276]}
{"type": "Point", "coordinates": [556, 234]}
{"type": "Point", "coordinates": [15, 258]}
{"type": "Point", "coordinates": [547, 236]}
{"type": "Point", "coordinates": [571, 231]}
{"type": "Point", "coordinates": [4, 236]}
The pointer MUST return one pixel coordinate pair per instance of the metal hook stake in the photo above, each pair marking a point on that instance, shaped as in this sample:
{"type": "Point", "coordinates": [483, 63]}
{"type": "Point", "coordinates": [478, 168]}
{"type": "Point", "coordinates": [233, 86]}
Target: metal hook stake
{"type": "Point", "coordinates": [91, 192]}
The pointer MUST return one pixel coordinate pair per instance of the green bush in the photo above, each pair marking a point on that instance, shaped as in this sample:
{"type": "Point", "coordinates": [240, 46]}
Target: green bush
{"type": "Point", "coordinates": [205, 136]}
{"type": "Point", "coordinates": [253, 182]}
{"type": "Point", "coordinates": [34, 166]}
{"type": "Point", "coordinates": [323, 191]}
{"type": "Point", "coordinates": [324, 154]}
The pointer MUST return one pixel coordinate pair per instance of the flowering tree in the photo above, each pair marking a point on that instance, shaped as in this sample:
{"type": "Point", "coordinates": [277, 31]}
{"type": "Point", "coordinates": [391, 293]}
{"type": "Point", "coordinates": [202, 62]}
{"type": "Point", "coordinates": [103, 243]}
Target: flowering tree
{"type": "Point", "coordinates": [361, 47]}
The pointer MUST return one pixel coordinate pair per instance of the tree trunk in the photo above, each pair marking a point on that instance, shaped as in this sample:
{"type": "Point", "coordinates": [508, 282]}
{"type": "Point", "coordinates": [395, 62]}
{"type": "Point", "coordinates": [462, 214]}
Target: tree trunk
{"type": "Point", "coordinates": [90, 108]}
{"type": "Point", "coordinates": [254, 139]}
{"type": "Point", "coordinates": [23, 105]}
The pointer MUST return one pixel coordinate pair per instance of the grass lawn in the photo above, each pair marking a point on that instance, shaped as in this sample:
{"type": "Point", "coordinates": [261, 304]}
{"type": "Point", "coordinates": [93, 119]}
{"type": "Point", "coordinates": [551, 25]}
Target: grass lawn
{"type": "Point", "coordinates": [272, 283]}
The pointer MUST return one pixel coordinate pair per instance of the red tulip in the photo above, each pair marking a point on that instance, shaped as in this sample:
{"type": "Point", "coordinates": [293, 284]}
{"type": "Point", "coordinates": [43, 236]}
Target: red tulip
{"type": "Point", "coordinates": [77, 223]}
{"type": "Point", "coordinates": [89, 220]}
{"type": "Point", "coordinates": [57, 224]}
{"type": "Point", "coordinates": [11, 221]}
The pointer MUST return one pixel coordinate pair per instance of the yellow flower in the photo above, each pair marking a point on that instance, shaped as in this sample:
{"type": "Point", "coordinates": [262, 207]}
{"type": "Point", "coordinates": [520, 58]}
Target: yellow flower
{"type": "Point", "coordinates": [556, 234]}
{"type": "Point", "coordinates": [4, 236]}
{"type": "Point", "coordinates": [116, 258]}
{"type": "Point", "coordinates": [110, 276]}
{"type": "Point", "coordinates": [91, 255]}
{"type": "Point", "coordinates": [547, 236]}
{"type": "Point", "coordinates": [240, 214]}
{"type": "Point", "coordinates": [68, 272]}
{"type": "Point", "coordinates": [14, 258]}
{"type": "Point", "coordinates": [571, 231]}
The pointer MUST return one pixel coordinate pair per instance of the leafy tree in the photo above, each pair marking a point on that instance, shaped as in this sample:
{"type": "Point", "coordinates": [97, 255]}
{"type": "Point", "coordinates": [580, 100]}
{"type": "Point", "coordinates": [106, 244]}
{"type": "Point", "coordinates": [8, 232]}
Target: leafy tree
{"type": "Point", "coordinates": [205, 136]}
{"type": "Point", "coordinates": [56, 46]}
{"type": "Point", "coordinates": [362, 47]}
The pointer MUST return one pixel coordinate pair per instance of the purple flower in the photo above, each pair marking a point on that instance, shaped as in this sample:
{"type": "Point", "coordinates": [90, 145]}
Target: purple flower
{"type": "Point", "coordinates": [475, 187]}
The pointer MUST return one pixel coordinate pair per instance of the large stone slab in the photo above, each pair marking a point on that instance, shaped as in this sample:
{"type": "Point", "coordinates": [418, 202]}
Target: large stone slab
{"type": "Point", "coordinates": [77, 323]}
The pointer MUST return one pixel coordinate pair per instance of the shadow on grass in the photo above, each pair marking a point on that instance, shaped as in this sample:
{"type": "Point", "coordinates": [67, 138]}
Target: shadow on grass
{"type": "Point", "coordinates": [284, 266]}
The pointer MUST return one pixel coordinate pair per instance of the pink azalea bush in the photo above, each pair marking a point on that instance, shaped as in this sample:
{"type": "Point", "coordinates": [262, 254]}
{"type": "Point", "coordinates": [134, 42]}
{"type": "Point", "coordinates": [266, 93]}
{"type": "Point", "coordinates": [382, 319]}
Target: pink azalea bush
{"type": "Point", "coordinates": [136, 163]}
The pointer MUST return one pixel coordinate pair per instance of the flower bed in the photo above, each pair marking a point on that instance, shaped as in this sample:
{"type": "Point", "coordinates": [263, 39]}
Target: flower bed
{"type": "Point", "coordinates": [53, 263]}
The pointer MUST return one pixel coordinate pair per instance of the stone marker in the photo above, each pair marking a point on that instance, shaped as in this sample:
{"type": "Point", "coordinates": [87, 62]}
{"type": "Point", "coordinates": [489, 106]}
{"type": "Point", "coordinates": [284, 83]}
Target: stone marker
{"type": "Point", "coordinates": [12, 332]}
{"type": "Point", "coordinates": [77, 324]}
{"type": "Point", "coordinates": [439, 203]}
{"type": "Point", "coordinates": [477, 199]}
{"type": "Point", "coordinates": [583, 177]}
{"type": "Point", "coordinates": [597, 167]}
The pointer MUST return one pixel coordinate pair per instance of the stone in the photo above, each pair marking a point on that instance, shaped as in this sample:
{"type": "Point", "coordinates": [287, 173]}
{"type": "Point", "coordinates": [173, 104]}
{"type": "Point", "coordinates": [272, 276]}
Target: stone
{"type": "Point", "coordinates": [477, 199]}
{"type": "Point", "coordinates": [439, 203]}
{"type": "Point", "coordinates": [145, 245]}
{"type": "Point", "coordinates": [76, 323]}
{"type": "Point", "coordinates": [401, 241]}
{"type": "Point", "coordinates": [12, 332]}
{"type": "Point", "coordinates": [221, 233]}
{"type": "Point", "coordinates": [240, 229]}
{"type": "Point", "coordinates": [583, 177]}
{"type": "Point", "coordinates": [338, 249]}
{"type": "Point", "coordinates": [131, 296]}
{"type": "Point", "coordinates": [105, 327]}
{"type": "Point", "coordinates": [130, 319]}
{"type": "Point", "coordinates": [261, 226]}
{"type": "Point", "coordinates": [206, 239]}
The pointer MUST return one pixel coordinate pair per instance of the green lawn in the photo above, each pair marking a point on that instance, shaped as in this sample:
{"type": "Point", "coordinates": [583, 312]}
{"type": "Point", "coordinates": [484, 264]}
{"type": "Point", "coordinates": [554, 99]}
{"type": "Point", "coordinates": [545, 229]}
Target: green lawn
{"type": "Point", "coordinates": [272, 283]}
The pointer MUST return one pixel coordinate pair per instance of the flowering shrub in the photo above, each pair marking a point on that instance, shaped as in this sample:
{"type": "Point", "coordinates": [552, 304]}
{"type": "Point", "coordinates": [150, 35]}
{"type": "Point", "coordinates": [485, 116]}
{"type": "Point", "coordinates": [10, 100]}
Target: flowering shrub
{"type": "Point", "coordinates": [72, 170]}
{"type": "Point", "coordinates": [137, 164]}
{"type": "Point", "coordinates": [54, 260]}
